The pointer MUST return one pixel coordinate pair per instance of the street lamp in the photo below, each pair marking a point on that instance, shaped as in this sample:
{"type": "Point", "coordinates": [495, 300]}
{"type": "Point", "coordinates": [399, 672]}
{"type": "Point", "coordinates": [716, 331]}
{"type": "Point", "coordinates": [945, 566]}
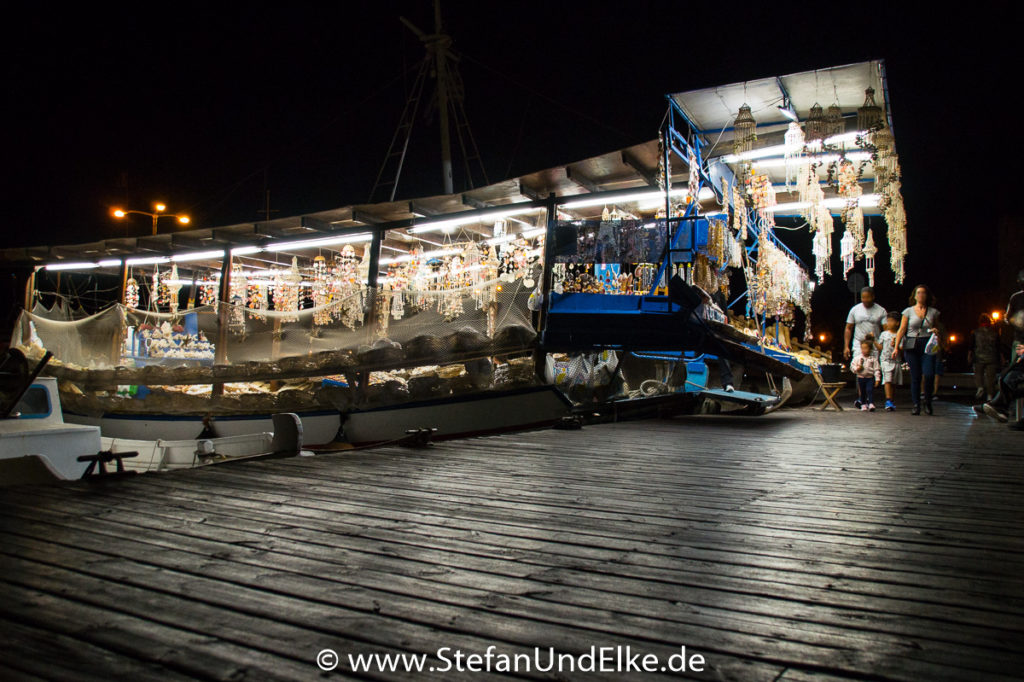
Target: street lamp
{"type": "Point", "coordinates": [159, 213]}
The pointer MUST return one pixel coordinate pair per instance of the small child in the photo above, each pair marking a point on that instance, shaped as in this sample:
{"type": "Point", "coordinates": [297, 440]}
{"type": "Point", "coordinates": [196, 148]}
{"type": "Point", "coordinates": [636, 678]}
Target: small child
{"type": "Point", "coordinates": [868, 372]}
{"type": "Point", "coordinates": [885, 345]}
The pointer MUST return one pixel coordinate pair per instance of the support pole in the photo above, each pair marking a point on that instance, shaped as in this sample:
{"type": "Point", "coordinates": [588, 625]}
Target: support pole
{"type": "Point", "coordinates": [223, 312]}
{"type": "Point", "coordinates": [30, 289]}
{"type": "Point", "coordinates": [546, 283]}
{"type": "Point", "coordinates": [372, 274]}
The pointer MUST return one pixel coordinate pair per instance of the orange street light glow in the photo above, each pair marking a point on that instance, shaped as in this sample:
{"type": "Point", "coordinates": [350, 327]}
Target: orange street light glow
{"type": "Point", "coordinates": [821, 337]}
{"type": "Point", "coordinates": [160, 207]}
{"type": "Point", "coordinates": [183, 219]}
{"type": "Point", "coordinates": [118, 213]}
{"type": "Point", "coordinates": [952, 338]}
{"type": "Point", "coordinates": [996, 315]}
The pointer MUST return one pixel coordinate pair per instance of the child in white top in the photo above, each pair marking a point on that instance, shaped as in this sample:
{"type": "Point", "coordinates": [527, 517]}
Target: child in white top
{"type": "Point", "coordinates": [869, 373]}
{"type": "Point", "coordinates": [885, 345]}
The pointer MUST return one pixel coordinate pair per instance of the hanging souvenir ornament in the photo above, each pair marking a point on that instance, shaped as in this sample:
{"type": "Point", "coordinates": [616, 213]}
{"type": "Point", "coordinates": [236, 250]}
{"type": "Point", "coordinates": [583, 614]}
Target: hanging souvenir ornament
{"type": "Point", "coordinates": [663, 172]}
{"type": "Point", "coordinates": [853, 216]}
{"type": "Point", "coordinates": [236, 299]}
{"type": "Point", "coordinates": [694, 179]}
{"type": "Point", "coordinates": [846, 248]}
{"type": "Point", "coordinates": [739, 212]}
{"type": "Point", "coordinates": [286, 291]}
{"type": "Point", "coordinates": [870, 116]}
{"type": "Point", "coordinates": [208, 292]}
{"type": "Point", "coordinates": [256, 300]}
{"type": "Point", "coordinates": [822, 245]}
{"type": "Point", "coordinates": [869, 258]}
{"type": "Point", "coordinates": [349, 287]}
{"type": "Point", "coordinates": [321, 293]}
{"type": "Point", "coordinates": [834, 121]}
{"type": "Point", "coordinates": [795, 158]}
{"type": "Point", "coordinates": [173, 286]}
{"type": "Point", "coordinates": [814, 127]}
{"type": "Point", "coordinates": [744, 131]}
{"type": "Point", "coordinates": [131, 293]}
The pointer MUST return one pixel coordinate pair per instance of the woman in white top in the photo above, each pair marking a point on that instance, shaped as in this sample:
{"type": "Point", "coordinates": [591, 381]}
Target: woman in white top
{"type": "Point", "coordinates": [919, 321]}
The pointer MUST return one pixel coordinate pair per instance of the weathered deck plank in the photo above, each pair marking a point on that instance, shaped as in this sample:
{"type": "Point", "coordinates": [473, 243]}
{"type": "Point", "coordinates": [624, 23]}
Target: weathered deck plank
{"type": "Point", "coordinates": [798, 546]}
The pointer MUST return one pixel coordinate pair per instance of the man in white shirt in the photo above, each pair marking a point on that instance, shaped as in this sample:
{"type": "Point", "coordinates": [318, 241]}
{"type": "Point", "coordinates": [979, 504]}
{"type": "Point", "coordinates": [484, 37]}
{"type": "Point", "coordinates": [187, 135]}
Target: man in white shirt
{"type": "Point", "coordinates": [865, 318]}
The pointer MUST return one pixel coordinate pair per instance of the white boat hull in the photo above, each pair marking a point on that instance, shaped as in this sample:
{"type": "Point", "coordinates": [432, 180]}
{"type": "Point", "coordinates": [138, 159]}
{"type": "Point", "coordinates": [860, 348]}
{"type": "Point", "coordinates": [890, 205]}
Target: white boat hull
{"type": "Point", "coordinates": [461, 416]}
{"type": "Point", "coordinates": [40, 446]}
{"type": "Point", "coordinates": [318, 427]}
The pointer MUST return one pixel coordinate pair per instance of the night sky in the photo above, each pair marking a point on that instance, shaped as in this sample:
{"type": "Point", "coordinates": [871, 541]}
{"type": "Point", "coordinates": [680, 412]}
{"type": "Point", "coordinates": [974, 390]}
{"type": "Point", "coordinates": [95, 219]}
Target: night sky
{"type": "Point", "coordinates": [206, 109]}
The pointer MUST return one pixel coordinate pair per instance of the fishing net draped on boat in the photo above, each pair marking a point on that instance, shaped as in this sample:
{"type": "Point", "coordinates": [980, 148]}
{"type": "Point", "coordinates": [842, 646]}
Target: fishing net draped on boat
{"type": "Point", "coordinates": [372, 327]}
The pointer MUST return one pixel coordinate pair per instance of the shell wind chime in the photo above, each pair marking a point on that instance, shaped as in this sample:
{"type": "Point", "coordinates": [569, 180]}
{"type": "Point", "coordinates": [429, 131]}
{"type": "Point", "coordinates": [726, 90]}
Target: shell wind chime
{"type": "Point", "coordinates": [834, 121]}
{"type": "Point", "coordinates": [744, 130]}
{"type": "Point", "coordinates": [869, 258]}
{"type": "Point", "coordinates": [208, 293]}
{"type": "Point", "coordinates": [236, 299]}
{"type": "Point", "coordinates": [348, 287]}
{"type": "Point", "coordinates": [257, 300]}
{"type": "Point", "coordinates": [796, 161]}
{"type": "Point", "coordinates": [870, 116]}
{"type": "Point", "coordinates": [822, 245]}
{"type": "Point", "coordinates": [846, 252]}
{"type": "Point", "coordinates": [286, 291]}
{"type": "Point", "coordinates": [321, 293]}
{"type": "Point", "coordinates": [853, 216]}
{"type": "Point", "coordinates": [814, 127]}
{"type": "Point", "coordinates": [739, 212]}
{"type": "Point", "coordinates": [694, 179]}
{"type": "Point", "coordinates": [173, 285]}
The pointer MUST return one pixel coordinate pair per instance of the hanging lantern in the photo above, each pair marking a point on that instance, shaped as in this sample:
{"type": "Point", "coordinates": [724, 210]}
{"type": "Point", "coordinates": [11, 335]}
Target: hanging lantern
{"type": "Point", "coordinates": [834, 121]}
{"type": "Point", "coordinates": [814, 128]}
{"type": "Point", "coordinates": [870, 116]}
{"type": "Point", "coordinates": [744, 131]}
{"type": "Point", "coordinates": [131, 293]}
{"type": "Point", "coordinates": [869, 258]}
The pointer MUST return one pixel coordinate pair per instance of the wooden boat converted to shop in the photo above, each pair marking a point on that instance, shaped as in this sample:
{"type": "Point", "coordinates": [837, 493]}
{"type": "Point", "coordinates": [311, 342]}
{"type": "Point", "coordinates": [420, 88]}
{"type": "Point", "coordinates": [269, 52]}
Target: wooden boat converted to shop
{"type": "Point", "coordinates": [380, 309]}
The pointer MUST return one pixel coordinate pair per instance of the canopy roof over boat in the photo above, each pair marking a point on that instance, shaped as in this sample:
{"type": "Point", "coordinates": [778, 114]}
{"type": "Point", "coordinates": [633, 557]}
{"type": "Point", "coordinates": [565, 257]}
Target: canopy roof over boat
{"type": "Point", "coordinates": [712, 110]}
{"type": "Point", "coordinates": [616, 176]}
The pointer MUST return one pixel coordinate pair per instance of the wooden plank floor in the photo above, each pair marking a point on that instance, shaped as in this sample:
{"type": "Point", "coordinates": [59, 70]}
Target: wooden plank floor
{"type": "Point", "coordinates": [798, 546]}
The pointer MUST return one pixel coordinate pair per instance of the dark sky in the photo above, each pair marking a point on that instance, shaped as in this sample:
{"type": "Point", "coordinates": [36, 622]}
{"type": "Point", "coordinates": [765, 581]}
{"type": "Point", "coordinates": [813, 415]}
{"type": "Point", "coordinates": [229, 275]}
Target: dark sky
{"type": "Point", "coordinates": [204, 108]}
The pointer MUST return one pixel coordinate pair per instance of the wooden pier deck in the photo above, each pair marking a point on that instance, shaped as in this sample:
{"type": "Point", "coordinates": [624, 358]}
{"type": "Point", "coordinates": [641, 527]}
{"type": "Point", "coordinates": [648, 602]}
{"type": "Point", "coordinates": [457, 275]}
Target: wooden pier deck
{"type": "Point", "coordinates": [796, 547]}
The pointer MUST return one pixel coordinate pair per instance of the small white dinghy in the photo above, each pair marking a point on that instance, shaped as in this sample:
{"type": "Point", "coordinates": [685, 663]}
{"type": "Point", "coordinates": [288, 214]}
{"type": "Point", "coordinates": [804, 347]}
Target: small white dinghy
{"type": "Point", "coordinates": [37, 446]}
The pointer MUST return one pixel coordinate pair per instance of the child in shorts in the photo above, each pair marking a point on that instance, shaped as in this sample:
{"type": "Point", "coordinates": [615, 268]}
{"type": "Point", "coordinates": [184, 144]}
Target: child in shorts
{"type": "Point", "coordinates": [885, 343]}
{"type": "Point", "coordinates": [868, 372]}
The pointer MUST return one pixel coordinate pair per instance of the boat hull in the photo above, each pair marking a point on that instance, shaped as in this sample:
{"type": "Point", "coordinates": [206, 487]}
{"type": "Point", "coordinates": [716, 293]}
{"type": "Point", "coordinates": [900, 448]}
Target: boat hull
{"type": "Point", "coordinates": [318, 427]}
{"type": "Point", "coordinates": [460, 416]}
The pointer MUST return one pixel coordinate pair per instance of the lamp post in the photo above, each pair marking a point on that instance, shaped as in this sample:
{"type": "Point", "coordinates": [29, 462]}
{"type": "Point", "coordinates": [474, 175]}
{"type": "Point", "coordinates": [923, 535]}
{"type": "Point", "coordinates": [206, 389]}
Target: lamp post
{"type": "Point", "coordinates": [156, 215]}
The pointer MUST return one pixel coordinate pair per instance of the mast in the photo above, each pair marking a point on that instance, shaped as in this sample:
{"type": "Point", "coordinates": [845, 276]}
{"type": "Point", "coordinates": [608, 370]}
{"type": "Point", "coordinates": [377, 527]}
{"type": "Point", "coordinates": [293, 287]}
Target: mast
{"type": "Point", "coordinates": [440, 44]}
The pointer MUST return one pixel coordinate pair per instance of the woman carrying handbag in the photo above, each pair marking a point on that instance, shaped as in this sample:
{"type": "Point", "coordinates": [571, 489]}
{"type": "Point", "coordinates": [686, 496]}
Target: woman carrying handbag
{"type": "Point", "coordinates": [920, 322]}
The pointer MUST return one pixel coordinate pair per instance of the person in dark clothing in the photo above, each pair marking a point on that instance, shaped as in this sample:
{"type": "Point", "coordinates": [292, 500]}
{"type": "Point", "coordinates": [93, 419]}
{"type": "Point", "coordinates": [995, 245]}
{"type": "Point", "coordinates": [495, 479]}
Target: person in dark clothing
{"type": "Point", "coordinates": [1015, 316]}
{"type": "Point", "coordinates": [983, 354]}
{"type": "Point", "coordinates": [1011, 387]}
